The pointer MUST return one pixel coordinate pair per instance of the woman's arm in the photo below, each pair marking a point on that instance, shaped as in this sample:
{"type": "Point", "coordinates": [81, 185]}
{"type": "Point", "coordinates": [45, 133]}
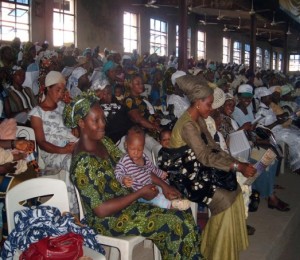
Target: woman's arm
{"type": "Point", "coordinates": [37, 125]}
{"type": "Point", "coordinates": [137, 118]}
{"type": "Point", "coordinates": [115, 205]}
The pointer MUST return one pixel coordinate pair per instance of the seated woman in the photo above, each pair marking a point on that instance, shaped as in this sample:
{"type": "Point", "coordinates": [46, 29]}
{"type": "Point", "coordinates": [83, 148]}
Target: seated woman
{"type": "Point", "coordinates": [139, 114]}
{"type": "Point", "coordinates": [289, 135]}
{"type": "Point", "coordinates": [55, 140]}
{"type": "Point", "coordinates": [243, 115]}
{"type": "Point", "coordinates": [78, 82]}
{"type": "Point", "coordinates": [20, 99]}
{"type": "Point", "coordinates": [117, 120]}
{"type": "Point", "coordinates": [225, 233]}
{"type": "Point", "coordinates": [111, 209]}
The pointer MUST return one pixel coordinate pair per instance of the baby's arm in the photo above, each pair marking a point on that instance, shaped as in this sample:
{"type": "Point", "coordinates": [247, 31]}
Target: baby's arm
{"type": "Point", "coordinates": [120, 172]}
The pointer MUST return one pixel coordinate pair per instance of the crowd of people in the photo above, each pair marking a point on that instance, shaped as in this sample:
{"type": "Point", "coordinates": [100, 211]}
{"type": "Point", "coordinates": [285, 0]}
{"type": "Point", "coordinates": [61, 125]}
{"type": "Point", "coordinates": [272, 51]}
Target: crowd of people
{"type": "Point", "coordinates": [108, 122]}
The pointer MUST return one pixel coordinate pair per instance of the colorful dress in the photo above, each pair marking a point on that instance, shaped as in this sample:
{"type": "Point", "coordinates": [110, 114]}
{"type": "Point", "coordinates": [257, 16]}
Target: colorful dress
{"type": "Point", "coordinates": [174, 232]}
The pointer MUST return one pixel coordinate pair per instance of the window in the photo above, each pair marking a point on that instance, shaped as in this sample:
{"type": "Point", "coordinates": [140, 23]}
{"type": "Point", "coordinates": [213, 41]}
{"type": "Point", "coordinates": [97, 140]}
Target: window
{"type": "Point", "coordinates": [258, 57]}
{"type": "Point", "coordinates": [294, 62]}
{"type": "Point", "coordinates": [237, 52]}
{"type": "Point", "coordinates": [158, 37]}
{"type": "Point", "coordinates": [247, 54]}
{"type": "Point", "coordinates": [267, 59]}
{"type": "Point", "coordinates": [189, 35]}
{"type": "Point", "coordinates": [14, 20]}
{"type": "Point", "coordinates": [226, 50]}
{"type": "Point", "coordinates": [274, 65]}
{"type": "Point", "coordinates": [130, 32]}
{"type": "Point", "coordinates": [63, 22]}
{"type": "Point", "coordinates": [280, 62]}
{"type": "Point", "coordinates": [201, 45]}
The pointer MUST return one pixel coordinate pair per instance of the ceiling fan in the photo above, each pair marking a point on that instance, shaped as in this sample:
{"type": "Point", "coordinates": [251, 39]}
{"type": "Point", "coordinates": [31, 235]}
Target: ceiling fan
{"type": "Point", "coordinates": [270, 38]}
{"type": "Point", "coordinates": [252, 11]}
{"type": "Point", "coordinates": [221, 17]}
{"type": "Point", "coordinates": [289, 31]}
{"type": "Point", "coordinates": [204, 22]}
{"type": "Point", "coordinates": [258, 33]}
{"type": "Point", "coordinates": [226, 29]}
{"type": "Point", "coordinates": [150, 3]}
{"type": "Point", "coordinates": [273, 23]}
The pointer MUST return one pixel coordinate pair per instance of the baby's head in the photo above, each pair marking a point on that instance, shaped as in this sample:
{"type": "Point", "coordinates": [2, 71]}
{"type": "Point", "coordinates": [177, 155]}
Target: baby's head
{"type": "Point", "coordinates": [135, 142]}
{"type": "Point", "coordinates": [118, 90]}
{"type": "Point", "coordinates": [165, 137]}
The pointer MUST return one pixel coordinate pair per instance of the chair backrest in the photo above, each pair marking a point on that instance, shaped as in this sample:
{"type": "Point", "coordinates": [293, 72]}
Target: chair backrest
{"type": "Point", "coordinates": [28, 134]}
{"type": "Point", "coordinates": [36, 188]}
{"type": "Point", "coordinates": [154, 153]}
{"type": "Point", "coordinates": [81, 210]}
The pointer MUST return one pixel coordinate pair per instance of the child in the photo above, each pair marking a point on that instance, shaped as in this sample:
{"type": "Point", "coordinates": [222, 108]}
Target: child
{"type": "Point", "coordinates": [165, 137]}
{"type": "Point", "coordinates": [135, 170]}
{"type": "Point", "coordinates": [119, 93]}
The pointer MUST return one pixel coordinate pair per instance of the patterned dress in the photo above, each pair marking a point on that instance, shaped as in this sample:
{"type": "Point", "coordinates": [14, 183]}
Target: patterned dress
{"type": "Point", "coordinates": [174, 232]}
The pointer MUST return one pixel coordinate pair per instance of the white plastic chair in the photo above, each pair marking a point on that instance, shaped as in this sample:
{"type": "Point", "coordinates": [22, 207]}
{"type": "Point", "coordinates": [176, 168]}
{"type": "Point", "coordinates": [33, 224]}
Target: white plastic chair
{"type": "Point", "coordinates": [36, 188]}
{"type": "Point", "coordinates": [124, 244]}
{"type": "Point", "coordinates": [28, 134]}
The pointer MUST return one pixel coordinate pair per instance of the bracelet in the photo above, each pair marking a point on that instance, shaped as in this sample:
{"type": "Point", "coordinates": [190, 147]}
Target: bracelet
{"type": "Point", "coordinates": [12, 144]}
{"type": "Point", "coordinates": [235, 167]}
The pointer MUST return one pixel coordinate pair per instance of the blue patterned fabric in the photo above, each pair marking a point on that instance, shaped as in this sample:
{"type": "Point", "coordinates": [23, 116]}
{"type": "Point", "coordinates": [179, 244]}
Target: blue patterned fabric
{"type": "Point", "coordinates": [31, 225]}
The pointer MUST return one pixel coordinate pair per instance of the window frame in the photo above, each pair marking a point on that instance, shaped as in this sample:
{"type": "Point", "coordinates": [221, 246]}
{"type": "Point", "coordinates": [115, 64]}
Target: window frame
{"type": "Point", "coordinates": [237, 52]}
{"type": "Point", "coordinates": [19, 27]}
{"type": "Point", "coordinates": [247, 54]}
{"type": "Point", "coordinates": [60, 33]}
{"type": "Point", "coordinates": [226, 56]}
{"type": "Point", "coordinates": [157, 35]}
{"type": "Point", "coordinates": [132, 27]}
{"type": "Point", "coordinates": [200, 42]}
{"type": "Point", "coordinates": [258, 60]}
{"type": "Point", "coordinates": [296, 62]}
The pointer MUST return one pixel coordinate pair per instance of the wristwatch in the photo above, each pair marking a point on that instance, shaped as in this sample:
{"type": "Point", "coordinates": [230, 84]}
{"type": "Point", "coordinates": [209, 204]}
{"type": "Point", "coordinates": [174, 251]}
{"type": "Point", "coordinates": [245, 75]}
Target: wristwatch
{"type": "Point", "coordinates": [235, 167]}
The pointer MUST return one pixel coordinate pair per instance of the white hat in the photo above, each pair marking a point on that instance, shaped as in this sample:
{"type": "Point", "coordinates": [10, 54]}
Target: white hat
{"type": "Point", "coordinates": [219, 98]}
{"type": "Point", "coordinates": [100, 84]}
{"type": "Point", "coordinates": [262, 92]}
{"type": "Point", "coordinates": [54, 77]}
{"type": "Point", "coordinates": [245, 90]}
{"type": "Point", "coordinates": [177, 74]}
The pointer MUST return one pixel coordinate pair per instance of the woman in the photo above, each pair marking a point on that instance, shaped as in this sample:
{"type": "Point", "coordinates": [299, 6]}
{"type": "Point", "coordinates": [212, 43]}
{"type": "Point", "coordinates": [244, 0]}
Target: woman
{"type": "Point", "coordinates": [78, 82]}
{"type": "Point", "coordinates": [20, 99]}
{"type": "Point", "coordinates": [243, 115]}
{"type": "Point", "coordinates": [111, 209]}
{"type": "Point", "coordinates": [139, 113]}
{"type": "Point", "coordinates": [225, 233]}
{"type": "Point", "coordinates": [55, 140]}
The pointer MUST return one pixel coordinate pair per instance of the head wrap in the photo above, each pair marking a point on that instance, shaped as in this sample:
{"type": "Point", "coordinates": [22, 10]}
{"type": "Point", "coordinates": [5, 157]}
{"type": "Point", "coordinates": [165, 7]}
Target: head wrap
{"type": "Point", "coordinates": [54, 77]}
{"type": "Point", "coordinates": [108, 66]}
{"type": "Point", "coordinates": [100, 84]}
{"type": "Point", "coordinates": [75, 76]}
{"type": "Point", "coordinates": [245, 90]}
{"type": "Point", "coordinates": [177, 74]}
{"type": "Point", "coordinates": [262, 92]}
{"type": "Point", "coordinates": [78, 108]}
{"type": "Point", "coordinates": [228, 96]}
{"type": "Point", "coordinates": [286, 89]}
{"type": "Point", "coordinates": [219, 98]}
{"type": "Point", "coordinates": [86, 51]}
{"type": "Point", "coordinates": [194, 87]}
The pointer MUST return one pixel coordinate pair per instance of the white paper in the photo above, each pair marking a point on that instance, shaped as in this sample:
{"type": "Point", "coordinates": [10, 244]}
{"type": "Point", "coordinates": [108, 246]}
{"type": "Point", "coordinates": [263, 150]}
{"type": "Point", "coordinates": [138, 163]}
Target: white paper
{"type": "Point", "coordinates": [257, 119]}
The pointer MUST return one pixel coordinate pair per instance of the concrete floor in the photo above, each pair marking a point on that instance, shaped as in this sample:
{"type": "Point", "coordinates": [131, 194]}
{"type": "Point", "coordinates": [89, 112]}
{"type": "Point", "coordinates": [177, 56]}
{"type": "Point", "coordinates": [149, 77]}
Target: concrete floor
{"type": "Point", "coordinates": [277, 233]}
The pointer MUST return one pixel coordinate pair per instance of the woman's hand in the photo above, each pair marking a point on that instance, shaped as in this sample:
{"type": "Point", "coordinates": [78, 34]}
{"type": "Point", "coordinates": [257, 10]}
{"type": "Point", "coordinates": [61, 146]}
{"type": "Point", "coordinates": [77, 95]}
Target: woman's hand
{"type": "Point", "coordinates": [246, 169]}
{"type": "Point", "coordinates": [148, 192]}
{"type": "Point", "coordinates": [69, 148]}
{"type": "Point", "coordinates": [26, 146]}
{"type": "Point", "coordinates": [171, 193]}
{"type": "Point", "coordinates": [8, 168]}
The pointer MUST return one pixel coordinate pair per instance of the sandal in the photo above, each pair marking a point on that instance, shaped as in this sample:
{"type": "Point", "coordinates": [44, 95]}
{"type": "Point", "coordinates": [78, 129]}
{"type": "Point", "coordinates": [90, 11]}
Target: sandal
{"type": "Point", "coordinates": [181, 204]}
{"type": "Point", "coordinates": [250, 230]}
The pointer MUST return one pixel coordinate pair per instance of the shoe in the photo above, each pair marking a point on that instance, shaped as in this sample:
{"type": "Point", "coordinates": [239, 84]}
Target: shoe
{"type": "Point", "coordinates": [250, 230]}
{"type": "Point", "coordinates": [181, 204]}
{"type": "Point", "coordinates": [280, 205]}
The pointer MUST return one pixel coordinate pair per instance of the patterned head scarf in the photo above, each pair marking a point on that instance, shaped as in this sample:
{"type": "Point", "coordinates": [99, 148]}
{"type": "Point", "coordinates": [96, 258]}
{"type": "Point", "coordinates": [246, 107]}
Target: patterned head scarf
{"type": "Point", "coordinates": [75, 76]}
{"type": "Point", "coordinates": [78, 108]}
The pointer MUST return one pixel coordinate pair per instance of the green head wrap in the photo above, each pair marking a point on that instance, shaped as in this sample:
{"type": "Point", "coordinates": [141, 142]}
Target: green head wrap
{"type": "Point", "coordinates": [78, 108]}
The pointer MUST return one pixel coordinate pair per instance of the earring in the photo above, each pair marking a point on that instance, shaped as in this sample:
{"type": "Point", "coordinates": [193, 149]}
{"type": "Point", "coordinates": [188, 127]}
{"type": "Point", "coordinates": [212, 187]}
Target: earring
{"type": "Point", "coordinates": [198, 107]}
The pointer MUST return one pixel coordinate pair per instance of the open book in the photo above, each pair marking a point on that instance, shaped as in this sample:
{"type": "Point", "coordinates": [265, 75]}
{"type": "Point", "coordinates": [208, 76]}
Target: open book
{"type": "Point", "coordinates": [266, 160]}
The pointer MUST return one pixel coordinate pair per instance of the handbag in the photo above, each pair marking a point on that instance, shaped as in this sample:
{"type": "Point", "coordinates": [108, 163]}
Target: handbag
{"type": "Point", "coordinates": [67, 247]}
{"type": "Point", "coordinates": [194, 180]}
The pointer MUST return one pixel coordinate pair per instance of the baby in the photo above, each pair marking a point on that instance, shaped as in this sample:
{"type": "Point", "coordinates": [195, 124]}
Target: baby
{"type": "Point", "coordinates": [135, 170]}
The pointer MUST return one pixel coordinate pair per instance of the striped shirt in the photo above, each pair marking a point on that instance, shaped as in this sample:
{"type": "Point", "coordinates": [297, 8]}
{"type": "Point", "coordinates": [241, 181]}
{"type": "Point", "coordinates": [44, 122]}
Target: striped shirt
{"type": "Point", "coordinates": [141, 175]}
